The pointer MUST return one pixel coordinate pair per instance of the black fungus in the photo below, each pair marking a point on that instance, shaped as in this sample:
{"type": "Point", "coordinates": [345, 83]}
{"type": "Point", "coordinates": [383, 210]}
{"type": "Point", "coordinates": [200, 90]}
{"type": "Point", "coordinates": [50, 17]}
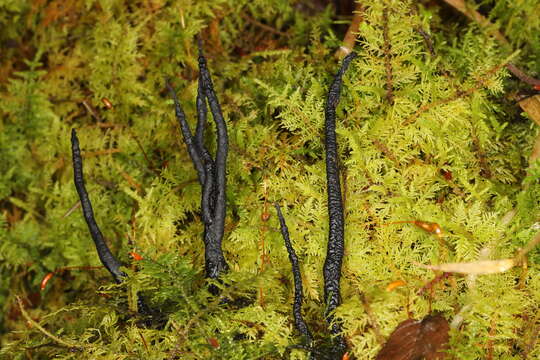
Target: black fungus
{"type": "Point", "coordinates": [336, 244]}
{"type": "Point", "coordinates": [105, 255]}
{"type": "Point", "coordinates": [107, 258]}
{"type": "Point", "coordinates": [211, 172]}
{"type": "Point", "coordinates": [298, 291]}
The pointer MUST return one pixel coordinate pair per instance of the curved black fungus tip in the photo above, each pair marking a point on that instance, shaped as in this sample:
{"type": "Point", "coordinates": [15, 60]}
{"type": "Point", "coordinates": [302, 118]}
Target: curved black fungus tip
{"type": "Point", "coordinates": [208, 192]}
{"type": "Point", "coordinates": [211, 172]}
{"type": "Point", "coordinates": [105, 255]}
{"type": "Point", "coordinates": [188, 138]}
{"type": "Point", "coordinates": [336, 244]}
{"type": "Point", "coordinates": [298, 290]}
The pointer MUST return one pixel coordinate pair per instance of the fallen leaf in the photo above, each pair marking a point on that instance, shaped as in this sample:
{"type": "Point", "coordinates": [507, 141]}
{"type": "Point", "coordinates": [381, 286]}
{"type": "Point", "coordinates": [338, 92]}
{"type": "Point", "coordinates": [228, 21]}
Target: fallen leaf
{"type": "Point", "coordinates": [531, 106]}
{"type": "Point", "coordinates": [474, 267]}
{"type": "Point", "coordinates": [417, 339]}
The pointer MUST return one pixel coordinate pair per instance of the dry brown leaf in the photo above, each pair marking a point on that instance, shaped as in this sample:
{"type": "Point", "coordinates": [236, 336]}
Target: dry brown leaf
{"type": "Point", "coordinates": [531, 106]}
{"type": "Point", "coordinates": [474, 267]}
{"type": "Point", "coordinates": [417, 339]}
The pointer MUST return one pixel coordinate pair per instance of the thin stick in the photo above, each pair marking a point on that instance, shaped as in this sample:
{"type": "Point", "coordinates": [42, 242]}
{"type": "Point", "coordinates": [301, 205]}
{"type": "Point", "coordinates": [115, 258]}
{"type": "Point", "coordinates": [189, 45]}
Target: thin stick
{"type": "Point", "coordinates": [73, 208]}
{"type": "Point", "coordinates": [40, 328]}
{"type": "Point", "coordinates": [474, 15]}
{"type": "Point", "coordinates": [298, 291]}
{"type": "Point", "coordinates": [263, 26]}
{"type": "Point", "coordinates": [371, 319]}
{"type": "Point", "coordinates": [530, 245]}
{"type": "Point", "coordinates": [150, 164]}
{"type": "Point", "coordinates": [91, 110]}
{"type": "Point", "coordinates": [104, 253]}
{"type": "Point", "coordinates": [49, 276]}
{"type": "Point", "coordinates": [435, 280]}
{"type": "Point", "coordinates": [459, 94]}
{"type": "Point", "coordinates": [336, 243]}
{"type": "Point", "coordinates": [522, 76]}
{"type": "Point", "coordinates": [352, 32]}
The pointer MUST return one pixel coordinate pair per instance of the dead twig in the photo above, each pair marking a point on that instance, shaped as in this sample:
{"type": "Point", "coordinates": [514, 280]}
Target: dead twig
{"type": "Point", "coordinates": [522, 76]}
{"type": "Point", "coordinates": [371, 319]}
{"type": "Point", "coordinates": [352, 33]}
{"type": "Point", "coordinates": [33, 323]}
{"type": "Point", "coordinates": [264, 26]}
{"type": "Point", "coordinates": [474, 15]}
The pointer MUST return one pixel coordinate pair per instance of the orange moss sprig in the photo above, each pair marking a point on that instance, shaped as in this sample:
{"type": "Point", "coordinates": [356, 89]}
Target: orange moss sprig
{"type": "Point", "coordinates": [50, 275]}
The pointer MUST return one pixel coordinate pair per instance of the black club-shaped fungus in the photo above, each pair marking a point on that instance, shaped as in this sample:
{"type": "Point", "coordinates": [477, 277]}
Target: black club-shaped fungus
{"type": "Point", "coordinates": [336, 243]}
{"type": "Point", "coordinates": [298, 289]}
{"type": "Point", "coordinates": [105, 255]}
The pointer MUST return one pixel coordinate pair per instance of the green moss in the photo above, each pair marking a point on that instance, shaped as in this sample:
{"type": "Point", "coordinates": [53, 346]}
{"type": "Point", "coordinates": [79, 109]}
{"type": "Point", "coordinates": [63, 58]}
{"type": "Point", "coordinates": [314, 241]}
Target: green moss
{"type": "Point", "coordinates": [450, 112]}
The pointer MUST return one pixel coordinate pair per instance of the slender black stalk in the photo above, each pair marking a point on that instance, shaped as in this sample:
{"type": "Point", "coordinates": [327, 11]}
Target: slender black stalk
{"type": "Point", "coordinates": [188, 138]}
{"type": "Point", "coordinates": [208, 192]}
{"type": "Point", "coordinates": [298, 290]}
{"type": "Point", "coordinates": [202, 115]}
{"type": "Point", "coordinates": [105, 255]}
{"type": "Point", "coordinates": [336, 244]}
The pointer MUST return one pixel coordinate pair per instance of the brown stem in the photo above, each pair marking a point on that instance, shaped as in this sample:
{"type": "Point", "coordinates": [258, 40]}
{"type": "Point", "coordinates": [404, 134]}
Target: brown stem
{"type": "Point", "coordinates": [352, 32]}
{"type": "Point", "coordinates": [263, 26]}
{"type": "Point", "coordinates": [474, 15]}
{"type": "Point", "coordinates": [522, 76]}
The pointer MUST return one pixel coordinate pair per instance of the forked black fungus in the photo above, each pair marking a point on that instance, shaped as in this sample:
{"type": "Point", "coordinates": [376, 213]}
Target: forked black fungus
{"type": "Point", "coordinates": [298, 289]}
{"type": "Point", "coordinates": [336, 243]}
{"type": "Point", "coordinates": [105, 255]}
{"type": "Point", "coordinates": [211, 172]}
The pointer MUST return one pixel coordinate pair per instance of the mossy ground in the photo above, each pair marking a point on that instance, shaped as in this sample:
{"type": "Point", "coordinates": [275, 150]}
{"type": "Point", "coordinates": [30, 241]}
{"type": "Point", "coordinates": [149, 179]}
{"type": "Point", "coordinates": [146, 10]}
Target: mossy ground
{"type": "Point", "coordinates": [452, 148]}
